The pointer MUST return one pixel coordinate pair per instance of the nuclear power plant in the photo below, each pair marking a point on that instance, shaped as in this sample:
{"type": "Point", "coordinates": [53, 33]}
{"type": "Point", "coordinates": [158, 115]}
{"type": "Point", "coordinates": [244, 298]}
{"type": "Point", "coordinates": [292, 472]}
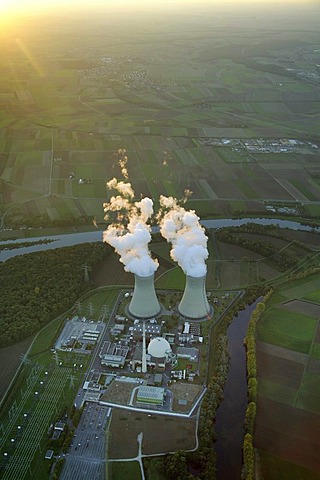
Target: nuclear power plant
{"type": "Point", "coordinates": [144, 303]}
{"type": "Point", "coordinates": [194, 303]}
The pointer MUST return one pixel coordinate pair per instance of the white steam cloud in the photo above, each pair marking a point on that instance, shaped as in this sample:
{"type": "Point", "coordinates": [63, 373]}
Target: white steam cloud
{"type": "Point", "coordinates": [182, 229]}
{"type": "Point", "coordinates": [122, 160]}
{"type": "Point", "coordinates": [131, 237]}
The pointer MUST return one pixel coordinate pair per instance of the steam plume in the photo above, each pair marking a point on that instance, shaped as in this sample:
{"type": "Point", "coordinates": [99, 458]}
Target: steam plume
{"type": "Point", "coordinates": [131, 237]}
{"type": "Point", "coordinates": [182, 229]}
{"type": "Point", "coordinates": [122, 160]}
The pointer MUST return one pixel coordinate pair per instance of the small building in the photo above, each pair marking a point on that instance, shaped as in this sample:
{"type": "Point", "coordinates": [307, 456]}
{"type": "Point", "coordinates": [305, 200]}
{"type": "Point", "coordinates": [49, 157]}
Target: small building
{"type": "Point", "coordinates": [59, 426]}
{"type": "Point", "coordinates": [186, 327]}
{"type": "Point", "coordinates": [116, 361]}
{"type": "Point", "coordinates": [150, 395]}
{"type": "Point", "coordinates": [188, 353]}
{"type": "Point", "coordinates": [49, 454]}
{"type": "Point", "coordinates": [158, 378]}
{"type": "Point", "coordinates": [113, 355]}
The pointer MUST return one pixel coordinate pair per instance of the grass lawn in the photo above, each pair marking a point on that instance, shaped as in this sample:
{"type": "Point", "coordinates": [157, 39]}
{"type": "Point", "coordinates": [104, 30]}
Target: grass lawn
{"type": "Point", "coordinates": [313, 296]}
{"type": "Point", "coordinates": [98, 299]}
{"type": "Point", "coordinates": [173, 279]}
{"type": "Point", "coordinates": [46, 336]}
{"type": "Point", "coordinates": [315, 350]}
{"type": "Point", "coordinates": [123, 471]}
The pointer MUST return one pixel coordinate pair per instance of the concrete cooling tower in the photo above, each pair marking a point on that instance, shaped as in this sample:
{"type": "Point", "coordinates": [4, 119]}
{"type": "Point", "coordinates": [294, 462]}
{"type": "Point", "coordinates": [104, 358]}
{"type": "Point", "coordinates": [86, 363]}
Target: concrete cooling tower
{"type": "Point", "coordinates": [194, 303]}
{"type": "Point", "coordinates": [144, 303]}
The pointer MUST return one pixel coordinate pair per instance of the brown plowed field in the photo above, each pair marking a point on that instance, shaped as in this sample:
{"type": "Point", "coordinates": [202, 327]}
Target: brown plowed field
{"type": "Point", "coordinates": [283, 352]}
{"type": "Point", "coordinates": [280, 370]}
{"type": "Point", "coordinates": [299, 306]}
{"type": "Point", "coordinates": [289, 433]}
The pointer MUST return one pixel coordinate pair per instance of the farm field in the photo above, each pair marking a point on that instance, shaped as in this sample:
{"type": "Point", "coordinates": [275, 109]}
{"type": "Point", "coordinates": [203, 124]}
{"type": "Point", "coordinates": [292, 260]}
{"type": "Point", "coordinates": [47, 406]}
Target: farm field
{"type": "Point", "coordinates": [182, 434]}
{"type": "Point", "coordinates": [216, 113]}
{"type": "Point", "coordinates": [243, 258]}
{"type": "Point", "coordinates": [288, 413]}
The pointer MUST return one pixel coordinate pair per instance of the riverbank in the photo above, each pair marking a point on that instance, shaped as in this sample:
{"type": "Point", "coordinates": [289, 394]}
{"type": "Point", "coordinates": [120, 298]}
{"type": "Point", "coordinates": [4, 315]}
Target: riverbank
{"type": "Point", "coordinates": [67, 237]}
{"type": "Point", "coordinates": [231, 412]}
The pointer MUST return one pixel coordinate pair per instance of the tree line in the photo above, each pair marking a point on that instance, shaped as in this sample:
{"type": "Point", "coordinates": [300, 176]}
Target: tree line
{"type": "Point", "coordinates": [37, 287]}
{"type": "Point", "coordinates": [248, 469]}
{"type": "Point", "coordinates": [280, 259]}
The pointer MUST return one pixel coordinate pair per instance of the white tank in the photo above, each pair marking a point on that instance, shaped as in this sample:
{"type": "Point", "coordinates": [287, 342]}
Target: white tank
{"type": "Point", "coordinates": [144, 303]}
{"type": "Point", "coordinates": [194, 303]}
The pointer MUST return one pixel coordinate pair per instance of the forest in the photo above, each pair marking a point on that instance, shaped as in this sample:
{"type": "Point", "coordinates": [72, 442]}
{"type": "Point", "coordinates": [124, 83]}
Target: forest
{"type": "Point", "coordinates": [37, 287]}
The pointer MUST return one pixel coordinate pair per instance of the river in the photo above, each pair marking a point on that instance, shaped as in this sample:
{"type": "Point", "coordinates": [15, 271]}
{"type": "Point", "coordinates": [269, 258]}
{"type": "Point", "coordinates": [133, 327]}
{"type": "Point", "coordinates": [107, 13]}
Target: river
{"type": "Point", "coordinates": [231, 413]}
{"type": "Point", "coordinates": [96, 235]}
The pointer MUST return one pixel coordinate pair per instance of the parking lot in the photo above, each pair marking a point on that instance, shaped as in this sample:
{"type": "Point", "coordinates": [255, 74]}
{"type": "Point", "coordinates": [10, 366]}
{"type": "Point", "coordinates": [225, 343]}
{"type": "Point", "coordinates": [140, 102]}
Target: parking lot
{"type": "Point", "coordinates": [87, 454]}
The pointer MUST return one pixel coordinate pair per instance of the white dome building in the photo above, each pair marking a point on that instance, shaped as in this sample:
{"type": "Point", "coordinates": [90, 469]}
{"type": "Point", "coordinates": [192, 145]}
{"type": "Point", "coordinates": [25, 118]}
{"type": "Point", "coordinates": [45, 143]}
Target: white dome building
{"type": "Point", "coordinates": [159, 348]}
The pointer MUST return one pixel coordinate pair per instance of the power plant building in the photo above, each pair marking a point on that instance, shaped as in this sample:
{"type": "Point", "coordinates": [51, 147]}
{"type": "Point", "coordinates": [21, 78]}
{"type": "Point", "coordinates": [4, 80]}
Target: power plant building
{"type": "Point", "coordinates": [144, 303]}
{"type": "Point", "coordinates": [194, 303]}
{"type": "Point", "coordinates": [151, 330]}
{"type": "Point", "coordinates": [150, 395]}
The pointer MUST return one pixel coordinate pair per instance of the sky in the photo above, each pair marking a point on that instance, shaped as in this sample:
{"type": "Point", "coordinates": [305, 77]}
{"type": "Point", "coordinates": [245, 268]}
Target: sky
{"type": "Point", "coordinates": [25, 6]}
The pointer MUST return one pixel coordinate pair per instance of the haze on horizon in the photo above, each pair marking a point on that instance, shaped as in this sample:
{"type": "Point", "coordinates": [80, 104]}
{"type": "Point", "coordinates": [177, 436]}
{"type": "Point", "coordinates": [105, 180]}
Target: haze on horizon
{"type": "Point", "coordinates": [13, 7]}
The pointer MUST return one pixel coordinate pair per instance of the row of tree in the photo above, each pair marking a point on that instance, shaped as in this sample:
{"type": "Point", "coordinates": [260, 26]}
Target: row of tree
{"type": "Point", "coordinates": [39, 286]}
{"type": "Point", "coordinates": [250, 343]}
{"type": "Point", "coordinates": [280, 259]}
{"type": "Point", "coordinates": [14, 245]}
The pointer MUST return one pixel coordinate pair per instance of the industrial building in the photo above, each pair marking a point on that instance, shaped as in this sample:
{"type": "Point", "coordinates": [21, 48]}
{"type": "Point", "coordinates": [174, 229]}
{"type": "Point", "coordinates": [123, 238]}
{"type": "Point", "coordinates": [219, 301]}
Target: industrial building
{"type": "Point", "coordinates": [191, 354]}
{"type": "Point", "coordinates": [113, 354]}
{"type": "Point", "coordinates": [150, 395]}
{"type": "Point", "coordinates": [136, 361]}
{"type": "Point", "coordinates": [151, 329]}
{"type": "Point", "coordinates": [78, 333]}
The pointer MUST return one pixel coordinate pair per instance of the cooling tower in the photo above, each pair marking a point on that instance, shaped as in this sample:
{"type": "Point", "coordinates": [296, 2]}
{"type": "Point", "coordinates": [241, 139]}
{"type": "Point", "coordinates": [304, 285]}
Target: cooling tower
{"type": "Point", "coordinates": [144, 303]}
{"type": "Point", "coordinates": [194, 303]}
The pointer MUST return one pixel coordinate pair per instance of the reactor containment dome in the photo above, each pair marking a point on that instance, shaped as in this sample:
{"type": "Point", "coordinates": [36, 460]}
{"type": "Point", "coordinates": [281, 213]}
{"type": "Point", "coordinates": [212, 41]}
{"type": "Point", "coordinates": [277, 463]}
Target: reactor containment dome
{"type": "Point", "coordinates": [159, 347]}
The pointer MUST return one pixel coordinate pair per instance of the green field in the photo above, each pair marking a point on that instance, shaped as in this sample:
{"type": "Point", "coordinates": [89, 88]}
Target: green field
{"type": "Point", "coordinates": [313, 297]}
{"type": "Point", "coordinates": [287, 329]}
